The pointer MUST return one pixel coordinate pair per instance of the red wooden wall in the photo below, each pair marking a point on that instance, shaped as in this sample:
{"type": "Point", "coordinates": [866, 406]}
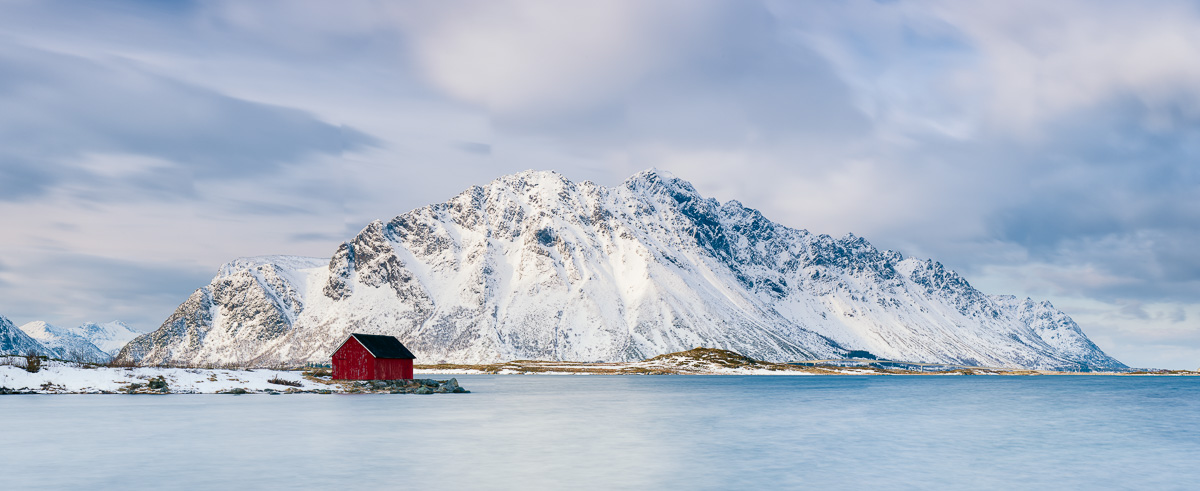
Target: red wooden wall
{"type": "Point", "coordinates": [393, 368]}
{"type": "Point", "coordinates": [354, 362]}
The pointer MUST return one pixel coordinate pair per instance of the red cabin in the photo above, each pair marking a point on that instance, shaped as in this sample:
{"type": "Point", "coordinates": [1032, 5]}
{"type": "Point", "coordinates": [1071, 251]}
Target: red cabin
{"type": "Point", "coordinates": [372, 357]}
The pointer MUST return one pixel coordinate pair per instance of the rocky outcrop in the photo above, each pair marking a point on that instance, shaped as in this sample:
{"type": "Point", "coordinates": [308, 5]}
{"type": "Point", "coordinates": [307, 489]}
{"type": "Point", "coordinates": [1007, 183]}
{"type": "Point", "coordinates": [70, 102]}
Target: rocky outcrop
{"type": "Point", "coordinates": [413, 386]}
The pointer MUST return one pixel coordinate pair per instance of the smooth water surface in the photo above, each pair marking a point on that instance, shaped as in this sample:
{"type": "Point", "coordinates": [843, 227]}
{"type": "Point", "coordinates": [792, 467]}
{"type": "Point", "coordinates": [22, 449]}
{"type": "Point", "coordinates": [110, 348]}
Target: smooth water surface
{"type": "Point", "coordinates": [625, 432]}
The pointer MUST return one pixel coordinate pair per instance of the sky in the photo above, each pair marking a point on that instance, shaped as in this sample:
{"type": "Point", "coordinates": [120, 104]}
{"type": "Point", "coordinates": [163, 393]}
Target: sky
{"type": "Point", "coordinates": [1041, 149]}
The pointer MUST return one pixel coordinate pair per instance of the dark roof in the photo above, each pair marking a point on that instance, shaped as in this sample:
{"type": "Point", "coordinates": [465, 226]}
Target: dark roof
{"type": "Point", "coordinates": [383, 346]}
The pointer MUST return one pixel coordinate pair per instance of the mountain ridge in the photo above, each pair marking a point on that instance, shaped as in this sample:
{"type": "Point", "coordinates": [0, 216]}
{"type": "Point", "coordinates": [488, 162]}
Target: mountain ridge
{"type": "Point", "coordinates": [14, 341]}
{"type": "Point", "coordinates": [535, 266]}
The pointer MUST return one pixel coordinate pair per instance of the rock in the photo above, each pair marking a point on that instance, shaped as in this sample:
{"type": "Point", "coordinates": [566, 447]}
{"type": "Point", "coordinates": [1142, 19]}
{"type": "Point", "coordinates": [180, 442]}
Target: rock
{"type": "Point", "coordinates": [453, 383]}
{"type": "Point", "coordinates": [237, 390]}
{"type": "Point", "coordinates": [423, 390]}
{"type": "Point", "coordinates": [159, 384]}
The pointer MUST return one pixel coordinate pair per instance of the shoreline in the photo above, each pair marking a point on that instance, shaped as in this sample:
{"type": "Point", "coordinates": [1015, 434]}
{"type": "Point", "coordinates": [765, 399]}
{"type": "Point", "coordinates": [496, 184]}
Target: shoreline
{"type": "Point", "coordinates": [60, 377]}
{"type": "Point", "coordinates": [711, 361]}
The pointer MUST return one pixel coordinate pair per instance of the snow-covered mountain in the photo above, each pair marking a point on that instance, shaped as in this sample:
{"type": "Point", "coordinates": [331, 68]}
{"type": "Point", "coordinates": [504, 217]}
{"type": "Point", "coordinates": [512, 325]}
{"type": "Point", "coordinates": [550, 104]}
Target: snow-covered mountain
{"type": "Point", "coordinates": [534, 266]}
{"type": "Point", "coordinates": [14, 341]}
{"type": "Point", "coordinates": [65, 343]}
{"type": "Point", "coordinates": [109, 337]}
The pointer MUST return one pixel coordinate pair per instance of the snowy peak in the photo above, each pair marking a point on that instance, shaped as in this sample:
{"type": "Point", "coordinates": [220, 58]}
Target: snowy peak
{"type": "Point", "coordinates": [65, 343]}
{"type": "Point", "coordinates": [280, 263]}
{"type": "Point", "coordinates": [546, 181]}
{"type": "Point", "coordinates": [90, 342]}
{"type": "Point", "coordinates": [655, 182]}
{"type": "Point", "coordinates": [109, 337]}
{"type": "Point", "coordinates": [14, 341]}
{"type": "Point", "coordinates": [250, 303]}
{"type": "Point", "coordinates": [535, 266]}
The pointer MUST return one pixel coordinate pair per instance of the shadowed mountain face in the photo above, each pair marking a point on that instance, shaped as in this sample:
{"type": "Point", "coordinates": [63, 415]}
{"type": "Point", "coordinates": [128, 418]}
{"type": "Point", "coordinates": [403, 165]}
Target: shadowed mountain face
{"type": "Point", "coordinates": [533, 266]}
{"type": "Point", "coordinates": [14, 341]}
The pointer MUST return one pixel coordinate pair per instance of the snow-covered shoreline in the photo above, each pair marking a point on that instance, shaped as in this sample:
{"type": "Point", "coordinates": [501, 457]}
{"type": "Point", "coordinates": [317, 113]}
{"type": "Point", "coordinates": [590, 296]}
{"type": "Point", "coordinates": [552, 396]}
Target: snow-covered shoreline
{"type": "Point", "coordinates": [61, 377]}
{"type": "Point", "coordinates": [56, 377]}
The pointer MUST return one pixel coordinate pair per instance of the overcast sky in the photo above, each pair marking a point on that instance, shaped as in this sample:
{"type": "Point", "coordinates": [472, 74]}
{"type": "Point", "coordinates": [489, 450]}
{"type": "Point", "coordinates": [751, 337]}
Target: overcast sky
{"type": "Point", "coordinates": [1042, 149]}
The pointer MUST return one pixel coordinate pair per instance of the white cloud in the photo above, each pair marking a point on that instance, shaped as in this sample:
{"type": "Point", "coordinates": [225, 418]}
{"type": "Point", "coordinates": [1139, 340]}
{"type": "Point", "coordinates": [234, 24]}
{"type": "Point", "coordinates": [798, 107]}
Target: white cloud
{"type": "Point", "coordinates": [112, 166]}
{"type": "Point", "coordinates": [1039, 60]}
{"type": "Point", "coordinates": [524, 55]}
{"type": "Point", "coordinates": [1048, 141]}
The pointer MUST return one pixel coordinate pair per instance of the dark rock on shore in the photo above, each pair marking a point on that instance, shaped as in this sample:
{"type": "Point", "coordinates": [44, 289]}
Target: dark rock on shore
{"type": "Point", "coordinates": [414, 386]}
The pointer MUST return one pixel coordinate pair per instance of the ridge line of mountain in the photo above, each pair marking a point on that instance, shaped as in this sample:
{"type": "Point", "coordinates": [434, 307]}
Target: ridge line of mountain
{"type": "Point", "coordinates": [89, 342]}
{"type": "Point", "coordinates": [535, 266]}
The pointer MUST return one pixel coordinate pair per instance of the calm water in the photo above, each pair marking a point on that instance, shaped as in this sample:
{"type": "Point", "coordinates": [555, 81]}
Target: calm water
{"type": "Point", "coordinates": [655, 432]}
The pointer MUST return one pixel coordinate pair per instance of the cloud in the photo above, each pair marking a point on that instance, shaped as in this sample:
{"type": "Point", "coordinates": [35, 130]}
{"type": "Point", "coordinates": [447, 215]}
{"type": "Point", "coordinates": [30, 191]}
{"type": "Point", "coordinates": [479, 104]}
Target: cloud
{"type": "Point", "coordinates": [473, 147]}
{"type": "Point", "coordinates": [1063, 130]}
{"type": "Point", "coordinates": [522, 56]}
{"type": "Point", "coordinates": [327, 237]}
{"type": "Point", "coordinates": [964, 67]}
{"type": "Point", "coordinates": [1042, 148]}
{"type": "Point", "coordinates": [267, 209]}
{"type": "Point", "coordinates": [61, 110]}
{"type": "Point", "coordinates": [1041, 59]}
{"type": "Point", "coordinates": [1150, 334]}
{"type": "Point", "coordinates": [139, 292]}
{"type": "Point", "coordinates": [628, 72]}
{"type": "Point", "coordinates": [21, 179]}
{"type": "Point", "coordinates": [1107, 194]}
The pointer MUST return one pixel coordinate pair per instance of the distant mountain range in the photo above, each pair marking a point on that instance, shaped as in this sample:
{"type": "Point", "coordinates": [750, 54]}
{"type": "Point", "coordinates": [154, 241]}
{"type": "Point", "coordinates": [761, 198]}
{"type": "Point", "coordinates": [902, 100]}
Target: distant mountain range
{"type": "Point", "coordinates": [89, 342]}
{"type": "Point", "coordinates": [534, 266]}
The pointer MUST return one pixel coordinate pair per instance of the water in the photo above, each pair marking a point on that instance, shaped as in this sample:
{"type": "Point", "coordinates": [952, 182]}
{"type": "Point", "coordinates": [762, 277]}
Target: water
{"type": "Point", "coordinates": [625, 432]}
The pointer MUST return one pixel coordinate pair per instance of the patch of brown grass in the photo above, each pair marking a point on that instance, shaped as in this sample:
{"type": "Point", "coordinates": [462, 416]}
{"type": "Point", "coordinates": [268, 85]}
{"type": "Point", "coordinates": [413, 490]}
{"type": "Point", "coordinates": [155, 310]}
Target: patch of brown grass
{"type": "Point", "coordinates": [725, 358]}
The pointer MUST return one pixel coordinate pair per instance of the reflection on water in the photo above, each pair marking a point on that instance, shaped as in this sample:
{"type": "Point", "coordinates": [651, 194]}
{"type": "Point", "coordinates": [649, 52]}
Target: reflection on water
{"type": "Point", "coordinates": [614, 432]}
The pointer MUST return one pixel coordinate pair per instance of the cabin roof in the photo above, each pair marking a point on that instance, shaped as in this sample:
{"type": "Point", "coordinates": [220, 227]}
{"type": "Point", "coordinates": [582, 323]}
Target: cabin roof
{"type": "Point", "coordinates": [383, 346]}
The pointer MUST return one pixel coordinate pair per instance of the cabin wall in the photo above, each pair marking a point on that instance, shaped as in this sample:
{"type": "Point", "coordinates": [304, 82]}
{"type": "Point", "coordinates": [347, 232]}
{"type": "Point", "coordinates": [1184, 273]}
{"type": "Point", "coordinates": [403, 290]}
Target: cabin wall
{"type": "Point", "coordinates": [392, 369]}
{"type": "Point", "coordinates": [353, 362]}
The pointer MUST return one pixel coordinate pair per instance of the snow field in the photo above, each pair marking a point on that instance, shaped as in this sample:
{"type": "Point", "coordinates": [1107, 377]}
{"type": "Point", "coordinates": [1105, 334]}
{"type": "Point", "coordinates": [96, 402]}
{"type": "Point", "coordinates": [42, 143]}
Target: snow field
{"type": "Point", "coordinates": [60, 377]}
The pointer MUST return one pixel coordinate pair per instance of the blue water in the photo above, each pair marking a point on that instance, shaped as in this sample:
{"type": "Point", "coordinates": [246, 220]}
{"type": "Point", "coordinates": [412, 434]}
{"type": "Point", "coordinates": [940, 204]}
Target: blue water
{"type": "Point", "coordinates": [625, 432]}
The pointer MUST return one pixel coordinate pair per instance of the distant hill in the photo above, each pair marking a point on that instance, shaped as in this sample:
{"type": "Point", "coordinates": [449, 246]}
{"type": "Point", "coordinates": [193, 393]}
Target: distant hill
{"type": "Point", "coordinates": [90, 342]}
{"type": "Point", "coordinates": [65, 343]}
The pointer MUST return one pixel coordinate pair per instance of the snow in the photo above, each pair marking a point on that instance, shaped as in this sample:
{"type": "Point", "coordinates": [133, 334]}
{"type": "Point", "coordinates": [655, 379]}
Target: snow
{"type": "Point", "coordinates": [534, 266]}
{"type": "Point", "coordinates": [65, 343]}
{"type": "Point", "coordinates": [89, 342]}
{"type": "Point", "coordinates": [64, 377]}
{"type": "Point", "coordinates": [109, 337]}
{"type": "Point", "coordinates": [14, 340]}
